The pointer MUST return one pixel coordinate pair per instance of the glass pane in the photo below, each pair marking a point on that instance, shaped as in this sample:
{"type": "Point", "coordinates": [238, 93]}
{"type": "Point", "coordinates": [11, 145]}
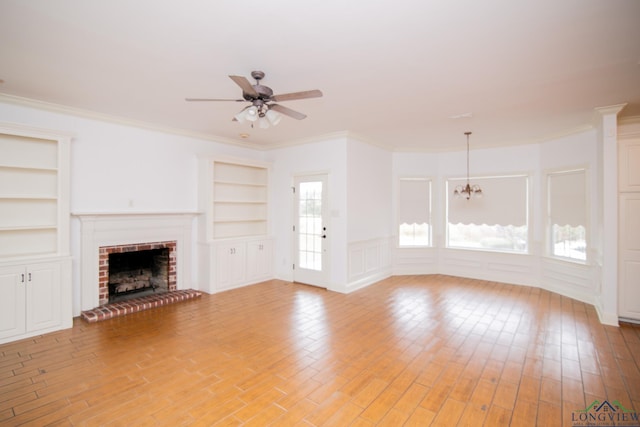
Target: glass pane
{"type": "Point", "coordinates": [490, 237]}
{"type": "Point", "coordinates": [310, 225]}
{"type": "Point", "coordinates": [569, 242]}
{"type": "Point", "coordinates": [414, 234]}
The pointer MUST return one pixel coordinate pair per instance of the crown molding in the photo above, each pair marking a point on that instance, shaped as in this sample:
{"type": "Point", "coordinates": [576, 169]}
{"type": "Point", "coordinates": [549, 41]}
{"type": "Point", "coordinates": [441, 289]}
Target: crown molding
{"type": "Point", "coordinates": [611, 109]}
{"type": "Point", "coordinates": [93, 115]}
{"type": "Point", "coordinates": [33, 131]}
{"type": "Point", "coordinates": [531, 141]}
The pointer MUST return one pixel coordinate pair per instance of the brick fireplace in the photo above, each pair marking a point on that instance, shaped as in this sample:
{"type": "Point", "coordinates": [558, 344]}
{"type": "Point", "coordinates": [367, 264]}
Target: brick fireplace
{"type": "Point", "coordinates": [105, 233]}
{"type": "Point", "coordinates": [111, 288]}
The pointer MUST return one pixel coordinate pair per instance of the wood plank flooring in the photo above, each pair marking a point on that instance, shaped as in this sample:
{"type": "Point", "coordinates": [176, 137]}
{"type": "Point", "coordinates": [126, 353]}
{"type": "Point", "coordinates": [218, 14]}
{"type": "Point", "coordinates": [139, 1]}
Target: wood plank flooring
{"type": "Point", "coordinates": [409, 350]}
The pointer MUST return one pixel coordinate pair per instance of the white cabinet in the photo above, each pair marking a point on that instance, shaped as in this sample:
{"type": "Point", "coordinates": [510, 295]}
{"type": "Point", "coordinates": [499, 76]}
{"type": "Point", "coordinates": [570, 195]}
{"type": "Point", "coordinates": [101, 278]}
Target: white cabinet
{"type": "Point", "coordinates": [229, 265]}
{"type": "Point", "coordinates": [240, 262]}
{"type": "Point", "coordinates": [35, 266]}
{"type": "Point", "coordinates": [259, 260]}
{"type": "Point", "coordinates": [31, 300]}
{"type": "Point", "coordinates": [629, 165]}
{"type": "Point", "coordinates": [629, 228]}
{"type": "Point", "coordinates": [235, 248]}
{"type": "Point", "coordinates": [629, 256]}
{"type": "Point", "coordinates": [12, 304]}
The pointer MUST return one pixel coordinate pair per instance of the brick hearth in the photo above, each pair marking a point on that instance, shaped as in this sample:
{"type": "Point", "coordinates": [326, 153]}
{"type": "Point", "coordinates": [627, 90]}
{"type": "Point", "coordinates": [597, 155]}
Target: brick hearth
{"type": "Point", "coordinates": [109, 311]}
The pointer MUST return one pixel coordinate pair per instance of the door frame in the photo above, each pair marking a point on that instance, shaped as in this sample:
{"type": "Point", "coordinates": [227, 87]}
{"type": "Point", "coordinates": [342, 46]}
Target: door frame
{"type": "Point", "coordinates": [323, 280]}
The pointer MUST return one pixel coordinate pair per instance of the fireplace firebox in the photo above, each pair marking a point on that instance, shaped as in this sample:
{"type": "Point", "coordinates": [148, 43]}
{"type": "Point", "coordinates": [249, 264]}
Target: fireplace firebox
{"type": "Point", "coordinates": [140, 273]}
{"type": "Point", "coordinates": [136, 270]}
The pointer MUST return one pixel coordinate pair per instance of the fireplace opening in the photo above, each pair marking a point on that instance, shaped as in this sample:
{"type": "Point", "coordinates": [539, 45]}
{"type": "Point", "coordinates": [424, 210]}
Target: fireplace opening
{"type": "Point", "coordinates": [138, 273]}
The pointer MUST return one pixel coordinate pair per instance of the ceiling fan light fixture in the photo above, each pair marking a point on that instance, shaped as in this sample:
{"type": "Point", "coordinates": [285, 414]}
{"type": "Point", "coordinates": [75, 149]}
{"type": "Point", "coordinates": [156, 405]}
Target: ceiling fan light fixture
{"type": "Point", "coordinates": [273, 117]}
{"type": "Point", "coordinates": [263, 123]}
{"type": "Point", "coordinates": [241, 116]}
{"type": "Point", "coordinates": [260, 97]}
{"type": "Point", "coordinates": [251, 113]}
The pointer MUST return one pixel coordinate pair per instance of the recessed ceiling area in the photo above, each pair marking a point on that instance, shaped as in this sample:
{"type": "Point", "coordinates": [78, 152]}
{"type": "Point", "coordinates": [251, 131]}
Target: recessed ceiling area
{"type": "Point", "coordinates": [407, 75]}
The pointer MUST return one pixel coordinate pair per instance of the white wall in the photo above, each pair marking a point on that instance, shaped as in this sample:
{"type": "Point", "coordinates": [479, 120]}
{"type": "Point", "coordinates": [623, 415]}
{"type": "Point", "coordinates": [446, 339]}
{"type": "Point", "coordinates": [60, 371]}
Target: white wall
{"type": "Point", "coordinates": [368, 191]}
{"type": "Point", "coordinates": [318, 157]}
{"type": "Point", "coordinates": [369, 201]}
{"type": "Point", "coordinates": [121, 168]}
{"type": "Point", "coordinates": [535, 268]}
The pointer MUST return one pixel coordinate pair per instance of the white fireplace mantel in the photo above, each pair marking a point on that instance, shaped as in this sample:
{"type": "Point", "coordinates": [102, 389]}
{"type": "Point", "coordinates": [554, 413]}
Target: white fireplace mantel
{"type": "Point", "coordinates": [112, 229]}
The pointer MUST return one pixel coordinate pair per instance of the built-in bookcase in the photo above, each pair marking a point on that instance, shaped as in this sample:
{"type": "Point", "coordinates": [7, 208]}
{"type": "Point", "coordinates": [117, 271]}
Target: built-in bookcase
{"type": "Point", "coordinates": [239, 203]}
{"type": "Point", "coordinates": [235, 248]}
{"type": "Point", "coordinates": [29, 196]}
{"type": "Point", "coordinates": [35, 264]}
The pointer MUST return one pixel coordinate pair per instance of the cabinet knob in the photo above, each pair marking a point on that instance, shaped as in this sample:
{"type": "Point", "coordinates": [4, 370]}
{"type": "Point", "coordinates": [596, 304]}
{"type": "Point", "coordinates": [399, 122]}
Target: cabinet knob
{"type": "Point", "coordinates": [22, 278]}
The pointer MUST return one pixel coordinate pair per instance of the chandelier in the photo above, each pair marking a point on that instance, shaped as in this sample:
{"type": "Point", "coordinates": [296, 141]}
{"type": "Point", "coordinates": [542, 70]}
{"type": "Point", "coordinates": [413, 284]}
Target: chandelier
{"type": "Point", "coordinates": [468, 190]}
{"type": "Point", "coordinates": [259, 112]}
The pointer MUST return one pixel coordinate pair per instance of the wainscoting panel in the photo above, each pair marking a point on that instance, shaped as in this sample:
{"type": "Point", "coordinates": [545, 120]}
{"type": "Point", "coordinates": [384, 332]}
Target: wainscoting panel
{"type": "Point", "coordinates": [569, 279]}
{"type": "Point", "coordinates": [409, 261]}
{"type": "Point", "coordinates": [369, 262]}
{"type": "Point", "coordinates": [517, 269]}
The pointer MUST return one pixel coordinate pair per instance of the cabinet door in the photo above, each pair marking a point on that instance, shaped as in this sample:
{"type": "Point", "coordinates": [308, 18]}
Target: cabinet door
{"type": "Point", "coordinates": [43, 295]}
{"type": "Point", "coordinates": [628, 161]}
{"type": "Point", "coordinates": [12, 301]}
{"type": "Point", "coordinates": [230, 265]}
{"type": "Point", "coordinates": [259, 260]}
{"type": "Point", "coordinates": [629, 256]}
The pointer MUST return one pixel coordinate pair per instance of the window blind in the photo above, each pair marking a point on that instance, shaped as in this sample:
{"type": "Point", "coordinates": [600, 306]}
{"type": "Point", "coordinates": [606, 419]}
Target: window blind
{"type": "Point", "coordinates": [568, 198]}
{"type": "Point", "coordinates": [504, 202]}
{"type": "Point", "coordinates": [414, 195]}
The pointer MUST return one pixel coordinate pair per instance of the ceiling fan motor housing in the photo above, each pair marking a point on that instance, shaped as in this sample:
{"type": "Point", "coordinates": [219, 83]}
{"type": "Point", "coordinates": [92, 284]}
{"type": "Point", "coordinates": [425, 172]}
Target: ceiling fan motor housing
{"type": "Point", "coordinates": [264, 93]}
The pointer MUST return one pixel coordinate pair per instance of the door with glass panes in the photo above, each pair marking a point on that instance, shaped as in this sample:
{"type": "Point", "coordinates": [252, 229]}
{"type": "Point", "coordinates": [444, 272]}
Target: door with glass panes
{"type": "Point", "coordinates": [310, 230]}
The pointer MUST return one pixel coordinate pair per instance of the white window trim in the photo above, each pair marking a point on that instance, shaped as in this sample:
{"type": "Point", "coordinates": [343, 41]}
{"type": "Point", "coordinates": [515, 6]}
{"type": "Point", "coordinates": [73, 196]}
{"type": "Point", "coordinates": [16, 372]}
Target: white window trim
{"type": "Point", "coordinates": [548, 252]}
{"type": "Point", "coordinates": [431, 182]}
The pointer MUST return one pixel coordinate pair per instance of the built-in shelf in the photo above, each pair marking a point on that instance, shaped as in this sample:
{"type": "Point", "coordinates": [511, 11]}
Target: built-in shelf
{"type": "Point", "coordinates": [27, 197]}
{"type": "Point", "coordinates": [234, 196]}
{"type": "Point", "coordinates": [30, 222]}
{"type": "Point", "coordinates": [35, 265]}
{"type": "Point", "coordinates": [29, 227]}
{"type": "Point", "coordinates": [28, 168]}
{"type": "Point", "coordinates": [236, 249]}
{"type": "Point", "coordinates": [243, 183]}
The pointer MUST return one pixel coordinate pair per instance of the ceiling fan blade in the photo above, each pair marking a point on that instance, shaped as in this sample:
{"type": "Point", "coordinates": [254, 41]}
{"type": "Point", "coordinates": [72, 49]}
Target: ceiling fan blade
{"type": "Point", "coordinates": [297, 95]}
{"type": "Point", "coordinates": [245, 85]}
{"type": "Point", "coordinates": [287, 111]}
{"type": "Point", "coordinates": [213, 99]}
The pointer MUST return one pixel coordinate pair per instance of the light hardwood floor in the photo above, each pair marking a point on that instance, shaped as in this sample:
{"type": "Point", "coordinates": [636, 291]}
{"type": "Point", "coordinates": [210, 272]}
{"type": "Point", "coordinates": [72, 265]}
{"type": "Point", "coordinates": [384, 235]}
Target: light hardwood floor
{"type": "Point", "coordinates": [410, 350]}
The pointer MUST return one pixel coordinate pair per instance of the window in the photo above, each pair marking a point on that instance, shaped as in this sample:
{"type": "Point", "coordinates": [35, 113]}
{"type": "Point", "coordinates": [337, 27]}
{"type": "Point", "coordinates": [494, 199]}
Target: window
{"type": "Point", "coordinates": [567, 214]}
{"type": "Point", "coordinates": [498, 221]}
{"type": "Point", "coordinates": [414, 212]}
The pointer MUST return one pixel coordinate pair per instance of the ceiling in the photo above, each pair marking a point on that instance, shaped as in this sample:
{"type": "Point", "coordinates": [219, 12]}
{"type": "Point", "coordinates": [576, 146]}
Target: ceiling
{"type": "Point", "coordinates": [404, 74]}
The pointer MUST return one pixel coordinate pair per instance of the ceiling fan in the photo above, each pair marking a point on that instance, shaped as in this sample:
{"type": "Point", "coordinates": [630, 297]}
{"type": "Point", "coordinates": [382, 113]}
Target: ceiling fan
{"type": "Point", "coordinates": [262, 108]}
